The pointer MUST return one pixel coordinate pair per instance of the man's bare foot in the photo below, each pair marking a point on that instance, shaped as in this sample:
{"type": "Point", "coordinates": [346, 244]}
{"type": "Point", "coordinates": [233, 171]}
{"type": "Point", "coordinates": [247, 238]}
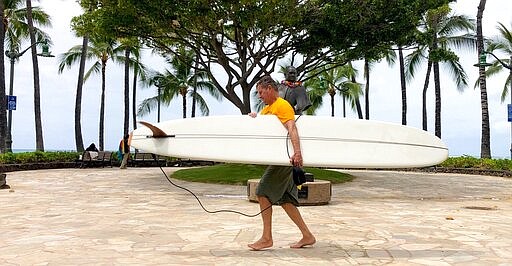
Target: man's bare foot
{"type": "Point", "coordinates": [261, 244]}
{"type": "Point", "coordinates": [305, 241]}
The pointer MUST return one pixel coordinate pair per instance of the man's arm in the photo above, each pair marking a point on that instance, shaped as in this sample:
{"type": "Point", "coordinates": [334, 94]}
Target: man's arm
{"type": "Point", "coordinates": [296, 159]}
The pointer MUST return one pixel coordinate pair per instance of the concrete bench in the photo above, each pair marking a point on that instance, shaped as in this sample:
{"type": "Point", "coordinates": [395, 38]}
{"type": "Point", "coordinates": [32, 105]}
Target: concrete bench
{"type": "Point", "coordinates": [147, 159]}
{"type": "Point", "coordinates": [317, 192]}
{"type": "Point", "coordinates": [95, 159]}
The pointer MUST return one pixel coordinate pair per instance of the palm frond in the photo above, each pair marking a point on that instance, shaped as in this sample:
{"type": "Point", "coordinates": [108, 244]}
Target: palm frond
{"type": "Point", "coordinates": [506, 88]}
{"type": "Point", "coordinates": [413, 62]}
{"type": "Point", "coordinates": [147, 105]}
{"type": "Point", "coordinates": [95, 68]}
{"type": "Point", "coordinates": [70, 57]}
{"type": "Point", "coordinates": [458, 74]}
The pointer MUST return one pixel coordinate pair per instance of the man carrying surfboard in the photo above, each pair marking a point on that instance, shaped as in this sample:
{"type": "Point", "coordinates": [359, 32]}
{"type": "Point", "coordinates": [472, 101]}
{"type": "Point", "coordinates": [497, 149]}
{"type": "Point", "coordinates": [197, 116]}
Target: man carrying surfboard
{"type": "Point", "coordinates": [276, 185]}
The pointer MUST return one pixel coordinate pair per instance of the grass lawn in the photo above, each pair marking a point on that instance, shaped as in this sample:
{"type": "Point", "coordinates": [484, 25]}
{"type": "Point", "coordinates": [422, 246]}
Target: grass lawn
{"type": "Point", "coordinates": [238, 174]}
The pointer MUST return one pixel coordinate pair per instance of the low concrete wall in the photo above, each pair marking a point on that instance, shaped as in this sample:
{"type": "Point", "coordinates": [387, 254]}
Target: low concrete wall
{"type": "Point", "coordinates": [4, 168]}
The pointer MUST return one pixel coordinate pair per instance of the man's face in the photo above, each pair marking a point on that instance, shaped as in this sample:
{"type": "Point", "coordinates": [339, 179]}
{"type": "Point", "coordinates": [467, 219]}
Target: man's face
{"type": "Point", "coordinates": [291, 74]}
{"type": "Point", "coordinates": [264, 93]}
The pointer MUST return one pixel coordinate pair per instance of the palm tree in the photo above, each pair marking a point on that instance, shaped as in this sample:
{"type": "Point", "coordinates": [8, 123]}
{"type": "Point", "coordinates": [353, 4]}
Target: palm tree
{"type": "Point", "coordinates": [139, 72]}
{"type": "Point", "coordinates": [367, 65]}
{"type": "Point", "coordinates": [19, 25]}
{"type": "Point", "coordinates": [339, 80]}
{"type": "Point", "coordinates": [100, 49]}
{"type": "Point", "coordinates": [178, 81]}
{"type": "Point", "coordinates": [78, 99]}
{"type": "Point", "coordinates": [355, 94]}
{"type": "Point", "coordinates": [502, 43]}
{"type": "Point", "coordinates": [403, 85]}
{"type": "Point", "coordinates": [37, 88]}
{"type": "Point", "coordinates": [316, 88]}
{"type": "Point", "coordinates": [390, 57]}
{"type": "Point", "coordinates": [3, 113]}
{"type": "Point", "coordinates": [16, 24]}
{"type": "Point", "coordinates": [438, 30]}
{"type": "Point", "coordinates": [80, 82]}
{"type": "Point", "coordinates": [131, 61]}
{"type": "Point", "coordinates": [485, 148]}
{"type": "Point", "coordinates": [126, 120]}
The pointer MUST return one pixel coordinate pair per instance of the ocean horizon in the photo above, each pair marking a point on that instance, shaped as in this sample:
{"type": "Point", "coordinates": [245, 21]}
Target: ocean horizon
{"type": "Point", "coordinates": [33, 150]}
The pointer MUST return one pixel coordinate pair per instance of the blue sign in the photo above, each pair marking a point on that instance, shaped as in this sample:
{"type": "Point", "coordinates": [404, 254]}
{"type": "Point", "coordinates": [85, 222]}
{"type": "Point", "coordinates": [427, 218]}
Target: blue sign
{"type": "Point", "coordinates": [509, 112]}
{"type": "Point", "coordinates": [11, 102]}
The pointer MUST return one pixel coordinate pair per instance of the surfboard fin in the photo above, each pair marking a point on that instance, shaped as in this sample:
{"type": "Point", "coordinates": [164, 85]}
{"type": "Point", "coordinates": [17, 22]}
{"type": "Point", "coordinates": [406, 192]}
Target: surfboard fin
{"type": "Point", "coordinates": [157, 132]}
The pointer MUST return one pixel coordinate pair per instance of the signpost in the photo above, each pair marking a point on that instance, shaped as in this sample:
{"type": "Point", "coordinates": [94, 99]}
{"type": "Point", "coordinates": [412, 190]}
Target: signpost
{"type": "Point", "coordinates": [11, 102]}
{"type": "Point", "coordinates": [509, 106]}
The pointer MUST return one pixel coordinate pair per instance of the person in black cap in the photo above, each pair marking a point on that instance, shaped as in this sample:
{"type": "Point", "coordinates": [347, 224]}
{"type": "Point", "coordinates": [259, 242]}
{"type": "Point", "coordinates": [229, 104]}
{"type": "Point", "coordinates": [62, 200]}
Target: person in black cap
{"type": "Point", "coordinates": [92, 147]}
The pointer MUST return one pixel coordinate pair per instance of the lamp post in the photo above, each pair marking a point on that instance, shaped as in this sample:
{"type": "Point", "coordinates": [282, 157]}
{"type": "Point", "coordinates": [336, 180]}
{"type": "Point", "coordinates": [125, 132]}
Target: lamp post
{"type": "Point", "coordinates": [483, 62]}
{"type": "Point", "coordinates": [13, 56]}
{"type": "Point", "coordinates": [158, 84]}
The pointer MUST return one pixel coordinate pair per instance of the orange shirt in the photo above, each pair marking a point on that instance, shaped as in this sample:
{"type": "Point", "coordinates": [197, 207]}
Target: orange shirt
{"type": "Point", "coordinates": [280, 108]}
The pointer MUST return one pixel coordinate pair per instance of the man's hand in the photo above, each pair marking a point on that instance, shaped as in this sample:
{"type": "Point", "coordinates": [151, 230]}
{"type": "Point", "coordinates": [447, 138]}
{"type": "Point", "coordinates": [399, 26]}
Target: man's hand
{"type": "Point", "coordinates": [253, 114]}
{"type": "Point", "coordinates": [296, 159]}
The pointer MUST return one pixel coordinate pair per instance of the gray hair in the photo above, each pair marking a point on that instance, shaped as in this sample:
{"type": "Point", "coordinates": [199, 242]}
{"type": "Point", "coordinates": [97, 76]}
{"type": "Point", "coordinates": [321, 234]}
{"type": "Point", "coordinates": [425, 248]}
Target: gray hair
{"type": "Point", "coordinates": [266, 81]}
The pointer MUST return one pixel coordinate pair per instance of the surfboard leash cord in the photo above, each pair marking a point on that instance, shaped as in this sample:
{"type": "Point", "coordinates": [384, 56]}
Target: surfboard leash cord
{"type": "Point", "coordinates": [201, 204]}
{"type": "Point", "coordinates": [288, 136]}
{"type": "Point", "coordinates": [225, 211]}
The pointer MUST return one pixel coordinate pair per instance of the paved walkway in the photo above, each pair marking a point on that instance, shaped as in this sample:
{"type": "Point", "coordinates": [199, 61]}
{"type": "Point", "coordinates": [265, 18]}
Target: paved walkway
{"type": "Point", "coordinates": [111, 216]}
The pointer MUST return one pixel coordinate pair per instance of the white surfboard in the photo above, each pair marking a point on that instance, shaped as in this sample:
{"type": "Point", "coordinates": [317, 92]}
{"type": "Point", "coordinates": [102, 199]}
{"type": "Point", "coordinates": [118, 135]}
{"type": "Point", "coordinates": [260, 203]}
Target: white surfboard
{"type": "Point", "coordinates": [325, 141]}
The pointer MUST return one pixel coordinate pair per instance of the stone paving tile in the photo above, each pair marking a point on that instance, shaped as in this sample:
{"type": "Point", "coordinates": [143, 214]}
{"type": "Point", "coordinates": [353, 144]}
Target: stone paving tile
{"type": "Point", "coordinates": [135, 217]}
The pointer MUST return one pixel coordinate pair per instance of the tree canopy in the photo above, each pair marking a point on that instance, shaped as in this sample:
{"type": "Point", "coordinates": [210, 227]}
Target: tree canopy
{"type": "Point", "coordinates": [365, 27]}
{"type": "Point", "coordinates": [248, 38]}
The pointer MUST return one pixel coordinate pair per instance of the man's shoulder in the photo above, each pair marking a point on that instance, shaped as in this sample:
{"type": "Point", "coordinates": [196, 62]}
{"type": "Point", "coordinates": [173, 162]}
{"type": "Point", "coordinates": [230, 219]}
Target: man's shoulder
{"type": "Point", "coordinates": [282, 101]}
{"type": "Point", "coordinates": [285, 106]}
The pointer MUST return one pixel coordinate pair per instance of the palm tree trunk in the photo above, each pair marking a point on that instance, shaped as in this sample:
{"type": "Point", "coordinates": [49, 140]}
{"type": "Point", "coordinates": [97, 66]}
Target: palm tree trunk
{"type": "Point", "coordinates": [184, 96]}
{"type": "Point", "coordinates": [358, 108]}
{"type": "Point", "coordinates": [194, 92]}
{"type": "Point", "coordinates": [425, 87]}
{"type": "Point", "coordinates": [367, 89]}
{"type": "Point", "coordinates": [102, 107]}
{"type": "Point", "coordinates": [358, 103]}
{"type": "Point", "coordinates": [437, 84]}
{"type": "Point", "coordinates": [126, 126]}
{"type": "Point", "coordinates": [3, 113]}
{"type": "Point", "coordinates": [332, 103]}
{"type": "Point", "coordinates": [134, 97]}
{"type": "Point", "coordinates": [485, 148]}
{"type": "Point", "coordinates": [194, 100]}
{"type": "Point", "coordinates": [37, 89]}
{"type": "Point", "coordinates": [437, 91]}
{"type": "Point", "coordinates": [403, 85]}
{"type": "Point", "coordinates": [344, 106]}
{"type": "Point", "coordinates": [78, 101]}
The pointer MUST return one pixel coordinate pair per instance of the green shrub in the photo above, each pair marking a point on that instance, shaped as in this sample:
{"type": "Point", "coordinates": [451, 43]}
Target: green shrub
{"type": "Point", "coordinates": [38, 157]}
{"type": "Point", "coordinates": [472, 162]}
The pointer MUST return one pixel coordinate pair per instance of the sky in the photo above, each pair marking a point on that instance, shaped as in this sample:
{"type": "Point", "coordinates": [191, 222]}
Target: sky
{"type": "Point", "coordinates": [461, 111]}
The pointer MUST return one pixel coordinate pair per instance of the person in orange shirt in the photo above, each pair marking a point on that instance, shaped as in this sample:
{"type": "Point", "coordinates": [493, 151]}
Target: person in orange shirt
{"type": "Point", "coordinates": [124, 151]}
{"type": "Point", "coordinates": [276, 185]}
